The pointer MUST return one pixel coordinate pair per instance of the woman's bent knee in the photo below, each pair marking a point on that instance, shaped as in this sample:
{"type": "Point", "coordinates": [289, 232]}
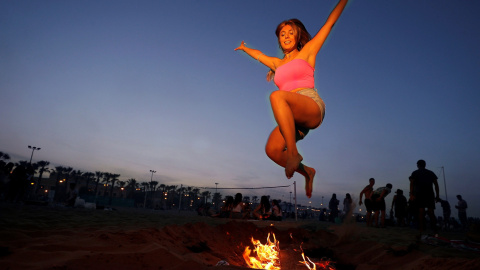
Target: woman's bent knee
{"type": "Point", "coordinates": [273, 152]}
{"type": "Point", "coordinates": [277, 95]}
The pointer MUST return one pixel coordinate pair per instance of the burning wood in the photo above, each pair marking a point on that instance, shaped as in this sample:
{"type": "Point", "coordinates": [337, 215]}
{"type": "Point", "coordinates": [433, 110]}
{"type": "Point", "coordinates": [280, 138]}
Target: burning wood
{"type": "Point", "coordinates": [266, 256]}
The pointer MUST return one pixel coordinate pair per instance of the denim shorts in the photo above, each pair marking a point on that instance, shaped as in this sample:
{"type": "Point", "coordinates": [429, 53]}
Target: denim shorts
{"type": "Point", "coordinates": [313, 94]}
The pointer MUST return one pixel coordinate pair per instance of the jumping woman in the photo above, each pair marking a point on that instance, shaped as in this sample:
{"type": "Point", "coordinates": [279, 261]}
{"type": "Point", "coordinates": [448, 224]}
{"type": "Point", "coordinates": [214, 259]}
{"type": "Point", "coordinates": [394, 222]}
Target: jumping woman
{"type": "Point", "coordinates": [296, 105]}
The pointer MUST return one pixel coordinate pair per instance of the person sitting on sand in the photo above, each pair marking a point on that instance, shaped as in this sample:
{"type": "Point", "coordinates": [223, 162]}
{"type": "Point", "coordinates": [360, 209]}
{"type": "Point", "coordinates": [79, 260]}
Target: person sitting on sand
{"type": "Point", "coordinates": [378, 199]}
{"type": "Point", "coordinates": [296, 105]}
{"type": "Point", "coordinates": [226, 208]}
{"type": "Point", "coordinates": [238, 207]}
{"type": "Point", "coordinates": [276, 211]}
{"type": "Point", "coordinates": [263, 210]}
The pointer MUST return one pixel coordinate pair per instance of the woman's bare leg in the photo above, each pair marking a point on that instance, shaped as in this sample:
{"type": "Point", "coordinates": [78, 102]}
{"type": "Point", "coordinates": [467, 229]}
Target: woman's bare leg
{"type": "Point", "coordinates": [275, 150]}
{"type": "Point", "coordinates": [290, 109]}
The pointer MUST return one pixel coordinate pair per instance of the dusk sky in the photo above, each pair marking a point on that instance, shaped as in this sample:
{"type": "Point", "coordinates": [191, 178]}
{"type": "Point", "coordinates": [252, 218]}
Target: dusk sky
{"type": "Point", "coordinates": [132, 86]}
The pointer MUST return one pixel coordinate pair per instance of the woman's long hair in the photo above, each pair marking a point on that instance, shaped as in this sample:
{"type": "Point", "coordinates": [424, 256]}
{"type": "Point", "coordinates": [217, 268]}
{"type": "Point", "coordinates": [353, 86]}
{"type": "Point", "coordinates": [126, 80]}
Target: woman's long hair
{"type": "Point", "coordinates": [238, 199]}
{"type": "Point", "coordinates": [265, 203]}
{"type": "Point", "coordinates": [301, 37]}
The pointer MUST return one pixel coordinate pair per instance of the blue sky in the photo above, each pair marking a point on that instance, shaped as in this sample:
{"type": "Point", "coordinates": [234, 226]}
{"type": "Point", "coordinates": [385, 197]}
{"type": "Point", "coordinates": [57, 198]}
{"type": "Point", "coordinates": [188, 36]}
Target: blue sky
{"type": "Point", "coordinates": [130, 86]}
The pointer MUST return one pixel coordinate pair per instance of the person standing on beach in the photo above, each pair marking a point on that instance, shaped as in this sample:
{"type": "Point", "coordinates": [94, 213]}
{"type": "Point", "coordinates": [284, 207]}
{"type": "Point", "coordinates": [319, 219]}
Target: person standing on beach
{"type": "Point", "coordinates": [422, 182]}
{"type": "Point", "coordinates": [399, 203]}
{"type": "Point", "coordinates": [378, 199]}
{"type": "Point", "coordinates": [368, 191]}
{"type": "Point", "coordinates": [296, 106]}
{"type": "Point", "coordinates": [347, 205]}
{"type": "Point", "coordinates": [462, 211]}
{"type": "Point", "coordinates": [333, 206]}
{"type": "Point", "coordinates": [446, 213]}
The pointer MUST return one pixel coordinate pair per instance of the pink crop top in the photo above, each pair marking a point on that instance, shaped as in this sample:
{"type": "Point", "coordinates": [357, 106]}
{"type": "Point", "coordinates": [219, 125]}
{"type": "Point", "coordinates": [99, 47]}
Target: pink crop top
{"type": "Point", "coordinates": [295, 74]}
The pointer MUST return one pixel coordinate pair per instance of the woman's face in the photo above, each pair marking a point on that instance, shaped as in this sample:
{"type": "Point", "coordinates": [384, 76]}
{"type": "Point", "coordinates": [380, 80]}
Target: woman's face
{"type": "Point", "coordinates": [287, 39]}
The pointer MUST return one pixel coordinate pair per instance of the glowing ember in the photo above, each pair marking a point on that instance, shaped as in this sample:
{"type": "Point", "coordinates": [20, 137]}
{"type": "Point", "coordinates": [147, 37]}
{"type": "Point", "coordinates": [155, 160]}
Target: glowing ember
{"type": "Point", "coordinates": [323, 264]}
{"type": "Point", "coordinates": [267, 256]}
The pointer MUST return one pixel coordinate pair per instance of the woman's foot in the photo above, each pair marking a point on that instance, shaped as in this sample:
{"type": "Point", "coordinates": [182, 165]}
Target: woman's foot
{"type": "Point", "coordinates": [292, 165]}
{"type": "Point", "coordinates": [309, 180]}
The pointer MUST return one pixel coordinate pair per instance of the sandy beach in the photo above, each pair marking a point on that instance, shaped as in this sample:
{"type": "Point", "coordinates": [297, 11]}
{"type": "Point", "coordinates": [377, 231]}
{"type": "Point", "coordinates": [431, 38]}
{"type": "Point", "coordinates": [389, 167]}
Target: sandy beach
{"type": "Point", "coordinates": [46, 237]}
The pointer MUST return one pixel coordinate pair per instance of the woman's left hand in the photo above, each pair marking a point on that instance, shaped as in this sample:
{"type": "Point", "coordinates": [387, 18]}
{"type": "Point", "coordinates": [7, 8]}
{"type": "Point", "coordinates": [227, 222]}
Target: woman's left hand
{"type": "Point", "coordinates": [241, 47]}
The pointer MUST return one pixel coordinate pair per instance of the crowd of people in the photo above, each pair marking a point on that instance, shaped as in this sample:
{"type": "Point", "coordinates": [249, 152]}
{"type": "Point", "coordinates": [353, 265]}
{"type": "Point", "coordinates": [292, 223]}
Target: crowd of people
{"type": "Point", "coordinates": [418, 209]}
{"type": "Point", "coordinates": [236, 208]}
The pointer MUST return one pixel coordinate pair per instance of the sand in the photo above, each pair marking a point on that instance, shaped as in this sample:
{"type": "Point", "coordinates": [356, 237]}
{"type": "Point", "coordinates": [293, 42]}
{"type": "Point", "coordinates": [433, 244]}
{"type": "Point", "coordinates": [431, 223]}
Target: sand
{"type": "Point", "coordinates": [46, 237]}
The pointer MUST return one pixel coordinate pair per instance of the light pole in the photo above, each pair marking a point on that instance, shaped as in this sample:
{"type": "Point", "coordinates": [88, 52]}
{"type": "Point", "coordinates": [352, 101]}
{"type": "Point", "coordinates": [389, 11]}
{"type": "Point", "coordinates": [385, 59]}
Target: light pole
{"type": "Point", "coordinates": [33, 150]}
{"type": "Point", "coordinates": [290, 206]}
{"type": "Point", "coordinates": [151, 185]}
{"type": "Point", "coordinates": [216, 196]}
{"type": "Point", "coordinates": [445, 184]}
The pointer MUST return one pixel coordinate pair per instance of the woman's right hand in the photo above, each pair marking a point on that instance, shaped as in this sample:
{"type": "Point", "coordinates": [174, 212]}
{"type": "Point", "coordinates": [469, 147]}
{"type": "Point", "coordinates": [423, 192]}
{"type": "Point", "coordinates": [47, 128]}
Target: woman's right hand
{"type": "Point", "coordinates": [241, 47]}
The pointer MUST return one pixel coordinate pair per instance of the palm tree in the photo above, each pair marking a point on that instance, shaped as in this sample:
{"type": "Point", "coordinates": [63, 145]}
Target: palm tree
{"type": "Point", "coordinates": [132, 185]}
{"type": "Point", "coordinates": [206, 195]}
{"type": "Point", "coordinates": [4, 156]}
{"type": "Point", "coordinates": [23, 163]}
{"type": "Point", "coordinates": [89, 176]}
{"type": "Point", "coordinates": [59, 173]}
{"type": "Point", "coordinates": [42, 165]}
{"type": "Point", "coordinates": [76, 174]}
{"type": "Point", "coordinates": [217, 198]}
{"type": "Point", "coordinates": [98, 177]}
{"type": "Point", "coordinates": [67, 172]}
{"type": "Point", "coordinates": [113, 179]}
{"type": "Point", "coordinates": [121, 184]}
{"type": "Point", "coordinates": [145, 186]}
{"type": "Point", "coordinates": [170, 194]}
{"type": "Point", "coordinates": [153, 188]}
{"type": "Point", "coordinates": [195, 192]}
{"type": "Point", "coordinates": [106, 181]}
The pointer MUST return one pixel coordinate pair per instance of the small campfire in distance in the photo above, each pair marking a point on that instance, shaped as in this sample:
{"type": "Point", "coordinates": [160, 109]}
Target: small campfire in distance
{"type": "Point", "coordinates": [267, 256]}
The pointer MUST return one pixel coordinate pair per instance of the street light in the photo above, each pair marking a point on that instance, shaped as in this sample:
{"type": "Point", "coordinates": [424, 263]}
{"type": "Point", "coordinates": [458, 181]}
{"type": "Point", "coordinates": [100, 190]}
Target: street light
{"type": "Point", "coordinates": [151, 185]}
{"type": "Point", "coordinates": [33, 150]}
{"type": "Point", "coordinates": [216, 196]}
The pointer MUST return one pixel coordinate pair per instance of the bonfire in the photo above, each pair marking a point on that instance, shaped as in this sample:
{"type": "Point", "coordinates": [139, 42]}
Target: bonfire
{"type": "Point", "coordinates": [266, 256]}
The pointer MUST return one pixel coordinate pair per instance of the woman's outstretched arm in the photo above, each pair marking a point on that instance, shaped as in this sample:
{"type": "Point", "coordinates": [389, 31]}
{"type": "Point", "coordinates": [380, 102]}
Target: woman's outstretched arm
{"type": "Point", "coordinates": [314, 45]}
{"type": "Point", "coordinates": [268, 61]}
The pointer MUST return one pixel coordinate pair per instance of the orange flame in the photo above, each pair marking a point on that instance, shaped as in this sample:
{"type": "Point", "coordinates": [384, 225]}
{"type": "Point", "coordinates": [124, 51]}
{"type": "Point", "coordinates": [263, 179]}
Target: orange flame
{"type": "Point", "coordinates": [267, 256]}
{"type": "Point", "coordinates": [323, 264]}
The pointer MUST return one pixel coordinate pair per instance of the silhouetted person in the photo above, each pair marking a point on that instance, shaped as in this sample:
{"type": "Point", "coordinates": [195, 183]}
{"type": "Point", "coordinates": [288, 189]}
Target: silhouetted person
{"type": "Point", "coordinates": [462, 211]}
{"type": "Point", "coordinates": [263, 210]}
{"type": "Point", "coordinates": [368, 191]}
{"type": "Point", "coordinates": [238, 207]}
{"type": "Point", "coordinates": [422, 182]}
{"type": "Point", "coordinates": [276, 211]}
{"type": "Point", "coordinates": [226, 208]}
{"type": "Point", "coordinates": [347, 205]}
{"type": "Point", "coordinates": [378, 199]}
{"type": "Point", "coordinates": [333, 206]}
{"type": "Point", "coordinates": [399, 203]}
{"type": "Point", "coordinates": [446, 213]}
